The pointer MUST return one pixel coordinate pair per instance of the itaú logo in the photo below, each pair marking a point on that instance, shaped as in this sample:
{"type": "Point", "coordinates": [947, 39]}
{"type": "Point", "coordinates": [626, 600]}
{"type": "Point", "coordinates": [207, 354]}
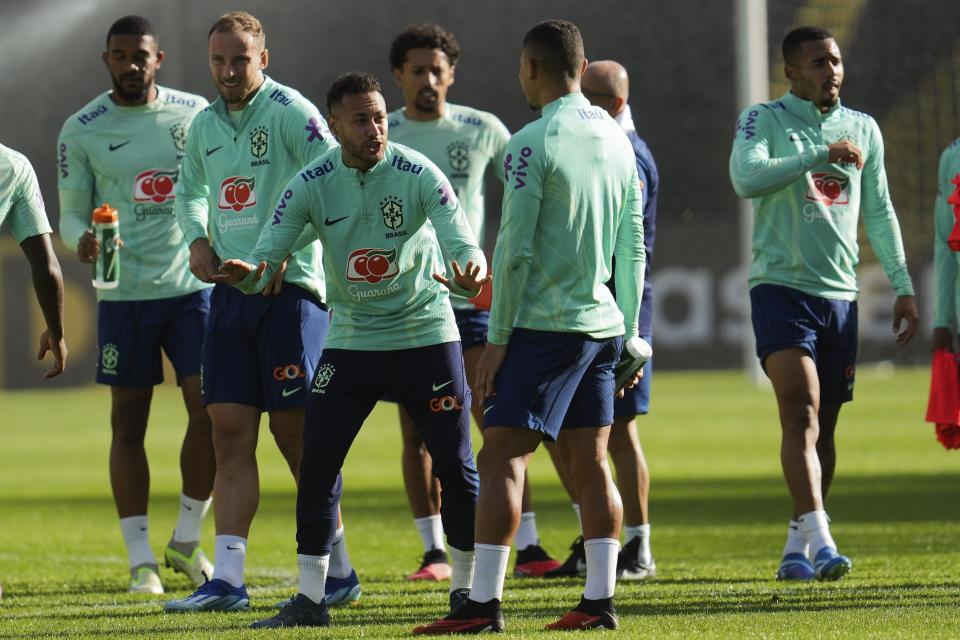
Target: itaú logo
{"type": "Point", "coordinates": [828, 188]}
{"type": "Point", "coordinates": [237, 193]}
{"type": "Point", "coordinates": [154, 185]}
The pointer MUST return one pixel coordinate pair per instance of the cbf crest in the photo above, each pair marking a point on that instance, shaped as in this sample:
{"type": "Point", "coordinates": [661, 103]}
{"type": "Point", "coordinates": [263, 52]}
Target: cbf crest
{"type": "Point", "coordinates": [259, 140]}
{"type": "Point", "coordinates": [459, 154]}
{"type": "Point", "coordinates": [179, 134]}
{"type": "Point", "coordinates": [392, 209]}
{"type": "Point", "coordinates": [323, 377]}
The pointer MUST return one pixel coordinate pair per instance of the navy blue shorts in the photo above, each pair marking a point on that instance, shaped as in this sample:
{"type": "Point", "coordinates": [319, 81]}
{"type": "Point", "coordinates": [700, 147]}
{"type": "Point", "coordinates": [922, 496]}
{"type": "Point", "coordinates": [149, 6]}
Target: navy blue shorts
{"type": "Point", "coordinates": [261, 350]}
{"type": "Point", "coordinates": [551, 380]}
{"type": "Point", "coordinates": [132, 333]}
{"type": "Point", "coordinates": [636, 401]}
{"type": "Point", "coordinates": [785, 318]}
{"type": "Point", "coordinates": [473, 324]}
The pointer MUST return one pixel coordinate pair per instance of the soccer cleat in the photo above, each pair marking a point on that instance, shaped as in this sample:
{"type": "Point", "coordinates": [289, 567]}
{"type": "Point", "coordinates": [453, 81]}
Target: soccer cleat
{"type": "Point", "coordinates": [574, 565]}
{"type": "Point", "coordinates": [196, 566]}
{"type": "Point", "coordinates": [589, 614]}
{"type": "Point", "coordinates": [342, 591]}
{"type": "Point", "coordinates": [300, 611]}
{"type": "Point", "coordinates": [629, 566]}
{"type": "Point", "coordinates": [435, 566]}
{"type": "Point", "coordinates": [830, 565]}
{"type": "Point", "coordinates": [469, 617]}
{"type": "Point", "coordinates": [636, 352]}
{"type": "Point", "coordinates": [533, 561]}
{"type": "Point", "coordinates": [795, 566]}
{"type": "Point", "coordinates": [458, 597]}
{"type": "Point", "coordinates": [144, 579]}
{"type": "Point", "coordinates": [214, 595]}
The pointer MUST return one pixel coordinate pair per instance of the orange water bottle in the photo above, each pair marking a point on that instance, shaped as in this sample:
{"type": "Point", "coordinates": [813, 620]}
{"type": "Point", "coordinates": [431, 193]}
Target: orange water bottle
{"type": "Point", "coordinates": [106, 228]}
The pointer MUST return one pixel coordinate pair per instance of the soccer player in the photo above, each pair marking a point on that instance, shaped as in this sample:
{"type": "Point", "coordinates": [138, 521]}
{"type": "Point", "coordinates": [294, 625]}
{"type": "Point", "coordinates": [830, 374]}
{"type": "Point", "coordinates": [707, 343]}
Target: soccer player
{"type": "Point", "coordinates": [606, 85]}
{"type": "Point", "coordinates": [382, 211]}
{"type": "Point", "coordinates": [811, 167]}
{"type": "Point", "coordinates": [258, 351]}
{"type": "Point", "coordinates": [572, 202]}
{"type": "Point", "coordinates": [124, 148]}
{"type": "Point", "coordinates": [464, 143]}
{"type": "Point", "coordinates": [23, 213]}
{"type": "Point", "coordinates": [945, 247]}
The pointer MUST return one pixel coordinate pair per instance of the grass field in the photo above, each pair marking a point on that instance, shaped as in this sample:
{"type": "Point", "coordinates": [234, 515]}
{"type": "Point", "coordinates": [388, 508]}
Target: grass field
{"type": "Point", "coordinates": [718, 505]}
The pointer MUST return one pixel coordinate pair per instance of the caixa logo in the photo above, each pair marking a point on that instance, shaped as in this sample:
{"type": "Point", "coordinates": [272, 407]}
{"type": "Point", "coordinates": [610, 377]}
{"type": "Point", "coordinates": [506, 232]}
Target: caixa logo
{"type": "Point", "coordinates": [828, 189]}
{"type": "Point", "coordinates": [237, 193]}
{"type": "Point", "coordinates": [372, 265]}
{"type": "Point", "coordinates": [154, 185]}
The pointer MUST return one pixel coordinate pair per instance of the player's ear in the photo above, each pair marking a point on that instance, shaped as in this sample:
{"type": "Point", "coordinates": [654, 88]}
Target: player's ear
{"type": "Point", "coordinates": [332, 125]}
{"type": "Point", "coordinates": [790, 71]}
{"type": "Point", "coordinates": [264, 59]}
{"type": "Point", "coordinates": [398, 76]}
{"type": "Point", "coordinates": [583, 68]}
{"type": "Point", "coordinates": [618, 103]}
{"type": "Point", "coordinates": [453, 74]}
{"type": "Point", "coordinates": [105, 56]}
{"type": "Point", "coordinates": [160, 57]}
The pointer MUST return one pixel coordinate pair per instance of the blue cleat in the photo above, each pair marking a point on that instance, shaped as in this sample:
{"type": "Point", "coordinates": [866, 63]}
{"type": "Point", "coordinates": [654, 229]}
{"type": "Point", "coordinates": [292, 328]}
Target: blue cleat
{"type": "Point", "coordinates": [342, 591]}
{"type": "Point", "coordinates": [214, 595]}
{"type": "Point", "coordinates": [830, 565]}
{"type": "Point", "coordinates": [795, 566]}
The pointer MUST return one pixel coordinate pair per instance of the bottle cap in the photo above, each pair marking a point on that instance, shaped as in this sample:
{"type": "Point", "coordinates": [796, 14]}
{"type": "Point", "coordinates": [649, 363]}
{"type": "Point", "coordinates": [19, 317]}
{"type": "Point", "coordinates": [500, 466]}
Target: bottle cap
{"type": "Point", "coordinates": [104, 214]}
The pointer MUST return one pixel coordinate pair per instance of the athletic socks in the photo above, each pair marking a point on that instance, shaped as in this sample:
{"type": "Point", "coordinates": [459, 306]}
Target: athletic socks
{"type": "Point", "coordinates": [490, 572]}
{"type": "Point", "coordinates": [527, 533]}
{"type": "Point", "coordinates": [313, 575]}
{"type": "Point", "coordinates": [231, 553]}
{"type": "Point", "coordinates": [796, 541]}
{"type": "Point", "coordinates": [431, 532]}
{"type": "Point", "coordinates": [137, 540]}
{"type": "Point", "coordinates": [815, 526]}
{"type": "Point", "coordinates": [601, 567]}
{"type": "Point", "coordinates": [641, 531]}
{"type": "Point", "coordinates": [462, 565]}
{"type": "Point", "coordinates": [190, 518]}
{"type": "Point", "coordinates": [339, 565]}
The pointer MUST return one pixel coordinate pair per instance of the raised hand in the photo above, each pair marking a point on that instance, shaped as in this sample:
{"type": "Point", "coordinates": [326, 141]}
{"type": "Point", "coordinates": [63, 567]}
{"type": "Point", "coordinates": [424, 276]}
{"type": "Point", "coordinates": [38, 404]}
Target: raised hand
{"type": "Point", "coordinates": [468, 280]}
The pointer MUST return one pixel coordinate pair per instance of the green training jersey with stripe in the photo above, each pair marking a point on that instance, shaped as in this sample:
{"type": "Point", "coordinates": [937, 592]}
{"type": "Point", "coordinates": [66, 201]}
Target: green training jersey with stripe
{"type": "Point", "coordinates": [572, 201]}
{"type": "Point", "coordinates": [945, 260]}
{"type": "Point", "coordinates": [233, 174]}
{"type": "Point", "coordinates": [463, 143]}
{"type": "Point", "coordinates": [806, 208]}
{"type": "Point", "coordinates": [382, 233]}
{"type": "Point", "coordinates": [21, 205]}
{"type": "Point", "coordinates": [130, 158]}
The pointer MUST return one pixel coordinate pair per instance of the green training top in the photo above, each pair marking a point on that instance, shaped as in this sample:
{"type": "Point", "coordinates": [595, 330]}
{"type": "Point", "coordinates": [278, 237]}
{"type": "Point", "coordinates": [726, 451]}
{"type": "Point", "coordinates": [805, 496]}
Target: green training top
{"type": "Point", "coordinates": [805, 208]}
{"type": "Point", "coordinates": [232, 175]}
{"type": "Point", "coordinates": [463, 143]}
{"type": "Point", "coordinates": [380, 232]}
{"type": "Point", "coordinates": [944, 258]}
{"type": "Point", "coordinates": [130, 158]}
{"type": "Point", "coordinates": [21, 205]}
{"type": "Point", "coordinates": [572, 202]}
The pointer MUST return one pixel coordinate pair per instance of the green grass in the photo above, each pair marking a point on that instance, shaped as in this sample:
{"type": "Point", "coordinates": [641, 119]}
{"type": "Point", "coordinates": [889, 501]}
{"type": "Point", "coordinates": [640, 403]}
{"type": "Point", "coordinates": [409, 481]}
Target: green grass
{"type": "Point", "coordinates": [718, 504]}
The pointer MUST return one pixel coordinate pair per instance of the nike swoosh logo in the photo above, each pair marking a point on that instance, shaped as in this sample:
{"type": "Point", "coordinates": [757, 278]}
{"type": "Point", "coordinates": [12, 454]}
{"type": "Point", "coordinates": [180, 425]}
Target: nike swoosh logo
{"type": "Point", "coordinates": [286, 393]}
{"type": "Point", "coordinates": [235, 548]}
{"type": "Point", "coordinates": [214, 150]}
{"type": "Point", "coordinates": [330, 222]}
{"type": "Point", "coordinates": [437, 387]}
{"type": "Point", "coordinates": [487, 409]}
{"type": "Point", "coordinates": [186, 507]}
{"type": "Point", "coordinates": [114, 147]}
{"type": "Point", "coordinates": [143, 528]}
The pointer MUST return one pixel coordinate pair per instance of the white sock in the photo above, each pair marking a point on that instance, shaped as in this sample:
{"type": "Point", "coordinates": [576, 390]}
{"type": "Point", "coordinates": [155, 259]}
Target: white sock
{"type": "Point", "coordinates": [339, 566]}
{"type": "Point", "coordinates": [601, 567]}
{"type": "Point", "coordinates": [576, 510]}
{"type": "Point", "coordinates": [431, 532]}
{"type": "Point", "coordinates": [137, 538]}
{"type": "Point", "coordinates": [490, 572]}
{"type": "Point", "coordinates": [231, 552]}
{"type": "Point", "coordinates": [796, 541]}
{"type": "Point", "coordinates": [816, 528]}
{"type": "Point", "coordinates": [313, 575]}
{"type": "Point", "coordinates": [527, 533]}
{"type": "Point", "coordinates": [190, 518]}
{"type": "Point", "coordinates": [462, 565]}
{"type": "Point", "coordinates": [641, 531]}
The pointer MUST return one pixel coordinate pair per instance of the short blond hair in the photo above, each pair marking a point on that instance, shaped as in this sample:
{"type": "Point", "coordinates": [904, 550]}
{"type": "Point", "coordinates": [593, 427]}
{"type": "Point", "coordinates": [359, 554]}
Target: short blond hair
{"type": "Point", "coordinates": [240, 21]}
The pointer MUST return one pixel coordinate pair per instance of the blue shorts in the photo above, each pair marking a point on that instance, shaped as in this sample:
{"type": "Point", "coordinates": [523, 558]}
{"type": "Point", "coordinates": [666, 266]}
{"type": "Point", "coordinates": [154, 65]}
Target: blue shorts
{"type": "Point", "coordinates": [261, 350]}
{"type": "Point", "coordinates": [132, 333]}
{"type": "Point", "coordinates": [636, 401]}
{"type": "Point", "coordinates": [551, 380]}
{"type": "Point", "coordinates": [472, 324]}
{"type": "Point", "coordinates": [785, 318]}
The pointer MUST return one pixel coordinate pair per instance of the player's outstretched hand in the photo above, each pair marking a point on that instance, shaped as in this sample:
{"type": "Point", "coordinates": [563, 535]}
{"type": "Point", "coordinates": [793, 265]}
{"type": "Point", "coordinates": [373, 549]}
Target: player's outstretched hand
{"type": "Point", "coordinates": [233, 271]}
{"type": "Point", "coordinates": [59, 350]}
{"type": "Point", "coordinates": [487, 367]}
{"type": "Point", "coordinates": [905, 308]}
{"type": "Point", "coordinates": [203, 261]}
{"type": "Point", "coordinates": [845, 152]}
{"type": "Point", "coordinates": [942, 340]}
{"type": "Point", "coordinates": [273, 286]}
{"type": "Point", "coordinates": [468, 280]}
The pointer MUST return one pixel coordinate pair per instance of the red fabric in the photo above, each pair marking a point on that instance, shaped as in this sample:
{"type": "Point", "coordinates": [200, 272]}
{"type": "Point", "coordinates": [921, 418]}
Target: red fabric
{"type": "Point", "coordinates": [483, 299]}
{"type": "Point", "coordinates": [943, 408]}
{"type": "Point", "coordinates": [954, 199]}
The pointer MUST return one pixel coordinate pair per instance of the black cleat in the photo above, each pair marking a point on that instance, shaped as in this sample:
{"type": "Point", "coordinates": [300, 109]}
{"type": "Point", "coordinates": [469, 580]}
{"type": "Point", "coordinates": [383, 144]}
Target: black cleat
{"type": "Point", "coordinates": [469, 617]}
{"type": "Point", "coordinates": [300, 611]}
{"type": "Point", "coordinates": [574, 565]}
